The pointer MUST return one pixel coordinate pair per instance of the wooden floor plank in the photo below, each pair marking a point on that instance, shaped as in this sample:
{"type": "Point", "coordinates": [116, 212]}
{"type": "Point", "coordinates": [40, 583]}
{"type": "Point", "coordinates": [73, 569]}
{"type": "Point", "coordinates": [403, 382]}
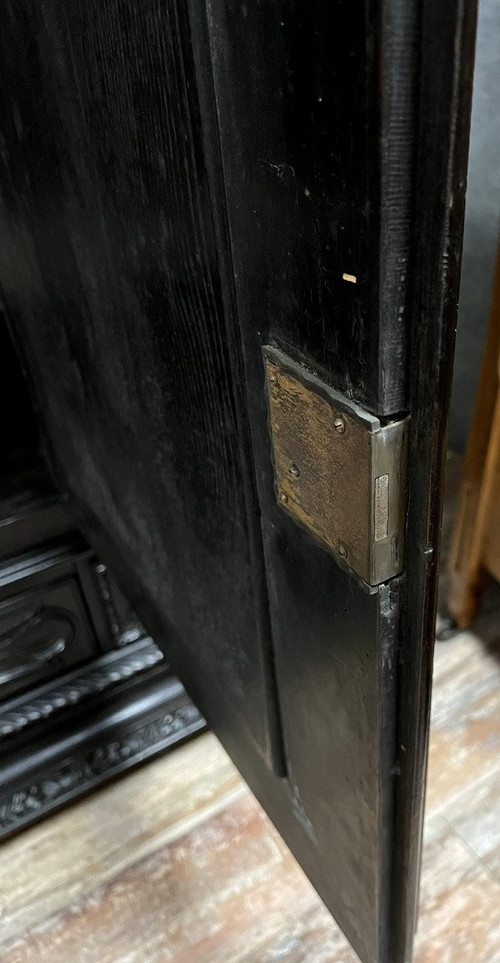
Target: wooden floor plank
{"type": "Point", "coordinates": [63, 859]}
{"type": "Point", "coordinates": [475, 816]}
{"type": "Point", "coordinates": [465, 743]}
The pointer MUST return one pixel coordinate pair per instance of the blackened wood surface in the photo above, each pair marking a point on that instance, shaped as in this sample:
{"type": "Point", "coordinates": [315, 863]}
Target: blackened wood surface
{"type": "Point", "coordinates": [442, 137]}
{"type": "Point", "coordinates": [315, 102]}
{"type": "Point", "coordinates": [182, 184]}
{"type": "Point", "coordinates": [19, 429]}
{"type": "Point", "coordinates": [109, 271]}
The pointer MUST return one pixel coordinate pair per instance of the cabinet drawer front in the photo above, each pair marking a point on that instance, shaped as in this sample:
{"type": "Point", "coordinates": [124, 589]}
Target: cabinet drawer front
{"type": "Point", "coordinates": [43, 632]}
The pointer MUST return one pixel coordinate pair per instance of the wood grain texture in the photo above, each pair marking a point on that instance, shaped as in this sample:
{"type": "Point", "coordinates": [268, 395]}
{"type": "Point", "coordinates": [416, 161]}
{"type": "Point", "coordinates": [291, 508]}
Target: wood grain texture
{"type": "Point", "coordinates": [134, 817]}
{"type": "Point", "coordinates": [114, 272]}
{"type": "Point", "coordinates": [109, 269]}
{"type": "Point", "coordinates": [324, 154]}
{"type": "Point", "coordinates": [296, 173]}
{"type": "Point", "coordinates": [183, 182]}
{"type": "Point", "coordinates": [117, 279]}
{"type": "Point", "coordinates": [301, 211]}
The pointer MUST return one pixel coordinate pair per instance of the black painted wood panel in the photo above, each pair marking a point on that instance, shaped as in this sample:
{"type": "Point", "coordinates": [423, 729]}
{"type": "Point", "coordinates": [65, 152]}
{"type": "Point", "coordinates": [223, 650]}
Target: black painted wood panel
{"type": "Point", "coordinates": [109, 270]}
{"type": "Point", "coordinates": [315, 171]}
{"type": "Point", "coordinates": [335, 646]}
{"type": "Point", "coordinates": [315, 102]}
{"type": "Point", "coordinates": [442, 139]}
{"type": "Point", "coordinates": [182, 182]}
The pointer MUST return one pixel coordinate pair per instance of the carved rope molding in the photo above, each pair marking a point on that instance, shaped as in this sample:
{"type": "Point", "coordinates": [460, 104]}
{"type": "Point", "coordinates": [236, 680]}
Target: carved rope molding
{"type": "Point", "coordinates": [70, 692]}
{"type": "Point", "coordinates": [87, 768]}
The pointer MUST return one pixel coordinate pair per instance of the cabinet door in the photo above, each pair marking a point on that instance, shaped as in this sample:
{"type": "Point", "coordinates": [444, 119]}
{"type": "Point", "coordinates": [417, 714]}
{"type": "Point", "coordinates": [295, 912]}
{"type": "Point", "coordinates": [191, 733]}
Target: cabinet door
{"type": "Point", "coordinates": [230, 255]}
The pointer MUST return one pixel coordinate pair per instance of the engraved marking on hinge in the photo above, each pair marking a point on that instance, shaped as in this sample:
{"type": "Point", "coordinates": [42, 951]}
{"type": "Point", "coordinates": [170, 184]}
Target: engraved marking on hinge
{"type": "Point", "coordinates": [381, 507]}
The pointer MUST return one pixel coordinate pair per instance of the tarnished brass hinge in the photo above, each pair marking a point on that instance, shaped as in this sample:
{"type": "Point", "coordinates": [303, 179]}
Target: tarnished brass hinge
{"type": "Point", "coordinates": [338, 470]}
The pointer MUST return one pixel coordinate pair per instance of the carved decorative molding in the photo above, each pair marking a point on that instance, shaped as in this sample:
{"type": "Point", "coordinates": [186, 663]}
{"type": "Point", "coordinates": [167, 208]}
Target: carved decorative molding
{"type": "Point", "coordinates": [72, 689]}
{"type": "Point", "coordinates": [87, 768]}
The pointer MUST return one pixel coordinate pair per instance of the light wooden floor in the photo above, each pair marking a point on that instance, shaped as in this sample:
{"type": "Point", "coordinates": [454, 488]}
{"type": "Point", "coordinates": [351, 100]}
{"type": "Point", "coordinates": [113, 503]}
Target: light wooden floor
{"type": "Point", "coordinates": [177, 862]}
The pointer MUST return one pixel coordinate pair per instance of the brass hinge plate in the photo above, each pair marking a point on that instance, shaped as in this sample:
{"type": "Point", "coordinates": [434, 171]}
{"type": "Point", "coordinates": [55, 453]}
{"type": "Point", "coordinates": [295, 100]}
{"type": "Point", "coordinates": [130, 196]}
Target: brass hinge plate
{"type": "Point", "coordinates": [338, 470]}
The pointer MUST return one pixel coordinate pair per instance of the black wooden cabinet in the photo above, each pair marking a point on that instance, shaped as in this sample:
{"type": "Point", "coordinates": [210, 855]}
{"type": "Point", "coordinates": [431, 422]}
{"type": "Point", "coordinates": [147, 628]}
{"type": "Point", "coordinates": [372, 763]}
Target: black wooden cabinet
{"type": "Point", "coordinates": [85, 693]}
{"type": "Point", "coordinates": [230, 258]}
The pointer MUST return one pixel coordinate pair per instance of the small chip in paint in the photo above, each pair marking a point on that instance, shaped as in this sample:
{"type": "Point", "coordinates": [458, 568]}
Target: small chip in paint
{"type": "Point", "coordinates": [349, 277]}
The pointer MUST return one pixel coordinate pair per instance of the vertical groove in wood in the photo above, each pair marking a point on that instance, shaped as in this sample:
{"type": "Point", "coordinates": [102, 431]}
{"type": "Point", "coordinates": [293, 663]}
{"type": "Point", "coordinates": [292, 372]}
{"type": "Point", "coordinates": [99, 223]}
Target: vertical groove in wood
{"type": "Point", "coordinates": [399, 47]}
{"type": "Point", "coordinates": [211, 137]}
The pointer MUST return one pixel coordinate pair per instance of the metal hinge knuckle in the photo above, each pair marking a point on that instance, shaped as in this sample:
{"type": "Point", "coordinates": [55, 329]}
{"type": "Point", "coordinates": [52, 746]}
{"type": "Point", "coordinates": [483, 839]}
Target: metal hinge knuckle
{"type": "Point", "coordinates": [339, 471]}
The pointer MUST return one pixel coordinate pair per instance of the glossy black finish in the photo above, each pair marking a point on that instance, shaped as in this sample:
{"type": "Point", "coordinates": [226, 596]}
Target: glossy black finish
{"type": "Point", "coordinates": [187, 183]}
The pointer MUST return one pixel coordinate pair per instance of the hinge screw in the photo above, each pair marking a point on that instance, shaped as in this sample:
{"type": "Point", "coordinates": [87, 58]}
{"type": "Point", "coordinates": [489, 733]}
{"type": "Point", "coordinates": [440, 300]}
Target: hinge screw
{"type": "Point", "coordinates": [273, 379]}
{"type": "Point", "coordinates": [294, 469]}
{"type": "Point", "coordinates": [339, 425]}
{"type": "Point", "coordinates": [342, 550]}
{"type": "Point", "coordinates": [284, 498]}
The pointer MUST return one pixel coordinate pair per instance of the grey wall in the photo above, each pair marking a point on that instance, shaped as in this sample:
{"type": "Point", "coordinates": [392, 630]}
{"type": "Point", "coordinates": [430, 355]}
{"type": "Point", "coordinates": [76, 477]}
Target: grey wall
{"type": "Point", "coordinates": [481, 220]}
